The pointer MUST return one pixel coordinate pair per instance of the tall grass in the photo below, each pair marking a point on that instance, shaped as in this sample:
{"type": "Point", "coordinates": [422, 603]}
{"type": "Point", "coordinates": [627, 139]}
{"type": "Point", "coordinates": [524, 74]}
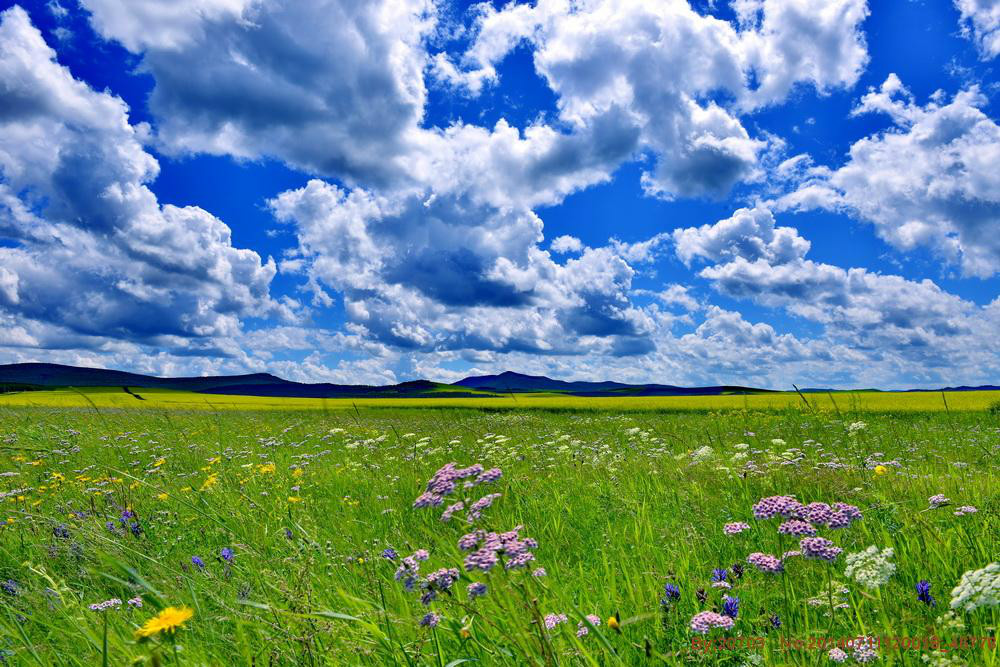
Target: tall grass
{"type": "Point", "coordinates": [620, 504]}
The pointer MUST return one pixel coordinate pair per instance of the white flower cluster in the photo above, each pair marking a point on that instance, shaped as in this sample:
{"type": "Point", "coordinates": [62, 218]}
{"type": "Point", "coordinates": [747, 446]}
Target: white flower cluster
{"type": "Point", "coordinates": [871, 567]}
{"type": "Point", "coordinates": [977, 588]}
{"type": "Point", "coordinates": [854, 427]}
{"type": "Point", "coordinates": [701, 454]}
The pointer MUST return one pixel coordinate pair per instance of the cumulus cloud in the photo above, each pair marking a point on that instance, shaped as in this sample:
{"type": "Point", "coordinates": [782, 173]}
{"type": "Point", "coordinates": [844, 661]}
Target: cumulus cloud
{"type": "Point", "coordinates": [566, 244]}
{"type": "Point", "coordinates": [657, 67]}
{"type": "Point", "coordinates": [980, 22]}
{"type": "Point", "coordinates": [90, 251]}
{"type": "Point", "coordinates": [235, 77]}
{"type": "Point", "coordinates": [931, 180]}
{"type": "Point", "coordinates": [437, 271]}
{"type": "Point", "coordinates": [884, 315]}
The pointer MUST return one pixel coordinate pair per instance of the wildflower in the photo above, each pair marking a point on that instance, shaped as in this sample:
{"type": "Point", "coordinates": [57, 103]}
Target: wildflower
{"type": "Point", "coordinates": [870, 567]}
{"type": "Point", "coordinates": [10, 587]}
{"type": "Point", "coordinates": [135, 602]}
{"type": "Point", "coordinates": [851, 511]}
{"type": "Point", "coordinates": [227, 554]}
{"type": "Point", "coordinates": [198, 562]}
{"type": "Point", "coordinates": [209, 482]}
{"type": "Point", "coordinates": [447, 514]}
{"type": "Point", "coordinates": [390, 554]}
{"type": "Point", "coordinates": [295, 499]}
{"type": "Point", "coordinates": [539, 572]}
{"type": "Point", "coordinates": [162, 496]}
{"type": "Point", "coordinates": [737, 570]}
{"type": "Point", "coordinates": [775, 621]}
{"type": "Point", "coordinates": [476, 509]}
{"type": "Point", "coordinates": [719, 574]}
{"type": "Point", "coordinates": [168, 620]}
{"type": "Point", "coordinates": [820, 548]}
{"type": "Point", "coordinates": [614, 623]}
{"type": "Point", "coordinates": [731, 606]}
{"type": "Point", "coordinates": [924, 593]}
{"type": "Point", "coordinates": [965, 509]}
{"type": "Point", "coordinates": [977, 588]}
{"type": "Point", "coordinates": [765, 562]}
{"type": "Point", "coordinates": [670, 593]}
{"type": "Point", "coordinates": [797, 528]}
{"type": "Point", "coordinates": [476, 590]}
{"type": "Point", "coordinates": [113, 603]}
{"type": "Point", "coordinates": [863, 652]}
{"type": "Point", "coordinates": [881, 470]}
{"type": "Point", "coordinates": [786, 506]}
{"type": "Point", "coordinates": [430, 620]}
{"type": "Point", "coordinates": [938, 500]}
{"type": "Point", "coordinates": [704, 621]}
{"type": "Point", "coordinates": [837, 655]}
{"type": "Point", "coordinates": [581, 628]}
{"type": "Point", "coordinates": [735, 528]}
{"type": "Point", "coordinates": [552, 620]}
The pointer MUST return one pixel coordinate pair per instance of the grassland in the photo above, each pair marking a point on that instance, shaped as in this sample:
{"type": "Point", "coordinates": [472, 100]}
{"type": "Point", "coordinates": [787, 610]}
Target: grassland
{"type": "Point", "coordinates": [844, 402]}
{"type": "Point", "coordinates": [272, 526]}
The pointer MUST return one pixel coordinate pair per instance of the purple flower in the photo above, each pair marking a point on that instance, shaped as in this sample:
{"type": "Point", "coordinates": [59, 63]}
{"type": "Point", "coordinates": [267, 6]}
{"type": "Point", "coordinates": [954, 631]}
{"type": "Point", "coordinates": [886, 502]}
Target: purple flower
{"type": "Point", "coordinates": [938, 500]}
{"type": "Point", "coordinates": [539, 572]}
{"type": "Point", "coordinates": [797, 528]}
{"type": "Point", "coordinates": [476, 589]}
{"type": "Point", "coordinates": [735, 528]}
{"type": "Point", "coordinates": [704, 621]}
{"type": "Point", "coordinates": [470, 541]}
{"type": "Point", "coordinates": [775, 621]}
{"type": "Point", "coordinates": [786, 506]}
{"type": "Point", "coordinates": [837, 655]}
{"type": "Point", "coordinates": [818, 513]}
{"type": "Point", "coordinates": [965, 509]}
{"type": "Point", "coordinates": [135, 602]}
{"type": "Point", "coordinates": [581, 628]}
{"type": "Point", "coordinates": [924, 593]}
{"type": "Point", "coordinates": [670, 593]}
{"type": "Point", "coordinates": [731, 606]}
{"type": "Point", "coordinates": [852, 512]}
{"type": "Point", "coordinates": [430, 620]}
{"type": "Point", "coordinates": [198, 562]}
{"type": "Point", "coordinates": [227, 554]}
{"type": "Point", "coordinates": [476, 510]}
{"type": "Point", "coordinates": [113, 603]}
{"type": "Point", "coordinates": [765, 562]}
{"type": "Point", "coordinates": [819, 547]}
{"type": "Point", "coordinates": [390, 554]}
{"type": "Point", "coordinates": [719, 574]}
{"type": "Point", "coordinates": [552, 620]}
{"type": "Point", "coordinates": [450, 511]}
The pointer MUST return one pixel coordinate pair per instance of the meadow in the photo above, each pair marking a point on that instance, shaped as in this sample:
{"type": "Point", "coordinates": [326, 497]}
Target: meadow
{"type": "Point", "coordinates": [467, 533]}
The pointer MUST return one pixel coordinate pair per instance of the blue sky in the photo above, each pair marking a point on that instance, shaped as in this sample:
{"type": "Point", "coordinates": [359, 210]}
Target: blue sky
{"type": "Point", "coordinates": [760, 192]}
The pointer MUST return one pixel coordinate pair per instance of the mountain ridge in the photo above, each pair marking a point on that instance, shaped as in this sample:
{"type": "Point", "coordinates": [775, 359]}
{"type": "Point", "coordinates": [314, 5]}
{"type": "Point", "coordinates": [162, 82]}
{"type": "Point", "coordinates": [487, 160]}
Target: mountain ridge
{"type": "Point", "coordinates": [42, 376]}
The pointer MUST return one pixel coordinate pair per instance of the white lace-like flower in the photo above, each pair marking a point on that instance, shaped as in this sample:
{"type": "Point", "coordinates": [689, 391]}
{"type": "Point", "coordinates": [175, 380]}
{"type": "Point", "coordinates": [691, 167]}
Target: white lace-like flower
{"type": "Point", "coordinates": [871, 567]}
{"type": "Point", "coordinates": [977, 588]}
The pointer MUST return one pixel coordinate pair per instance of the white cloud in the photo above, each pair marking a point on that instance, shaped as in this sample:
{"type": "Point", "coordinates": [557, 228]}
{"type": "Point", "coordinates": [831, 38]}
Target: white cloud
{"type": "Point", "coordinates": [657, 66]}
{"type": "Point", "coordinates": [881, 315]}
{"type": "Point", "coordinates": [930, 181]}
{"type": "Point", "coordinates": [980, 21]}
{"type": "Point", "coordinates": [92, 252]}
{"type": "Point", "coordinates": [566, 244]}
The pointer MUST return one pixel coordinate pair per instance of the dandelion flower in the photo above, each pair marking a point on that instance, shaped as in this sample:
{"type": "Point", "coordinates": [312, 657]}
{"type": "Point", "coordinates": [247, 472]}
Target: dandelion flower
{"type": "Point", "coordinates": [168, 620]}
{"type": "Point", "coordinates": [881, 470]}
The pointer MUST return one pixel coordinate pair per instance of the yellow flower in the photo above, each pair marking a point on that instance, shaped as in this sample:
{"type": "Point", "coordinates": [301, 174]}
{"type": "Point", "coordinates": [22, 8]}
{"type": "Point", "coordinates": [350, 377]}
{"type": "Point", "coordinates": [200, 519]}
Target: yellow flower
{"type": "Point", "coordinates": [613, 623]}
{"type": "Point", "coordinates": [162, 496]}
{"type": "Point", "coordinates": [881, 470]}
{"type": "Point", "coordinates": [159, 462]}
{"type": "Point", "coordinates": [209, 482]}
{"type": "Point", "coordinates": [294, 499]}
{"type": "Point", "coordinates": [297, 472]}
{"type": "Point", "coordinates": [168, 620]}
{"type": "Point", "coordinates": [266, 468]}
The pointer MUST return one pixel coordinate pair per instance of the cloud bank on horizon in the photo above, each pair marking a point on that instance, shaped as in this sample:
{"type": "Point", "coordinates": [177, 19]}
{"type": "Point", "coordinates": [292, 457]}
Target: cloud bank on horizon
{"type": "Point", "coordinates": [754, 192]}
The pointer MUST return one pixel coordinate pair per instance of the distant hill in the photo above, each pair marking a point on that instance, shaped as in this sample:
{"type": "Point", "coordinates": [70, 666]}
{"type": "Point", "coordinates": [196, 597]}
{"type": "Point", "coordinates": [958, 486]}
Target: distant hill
{"type": "Point", "coordinates": [39, 377]}
{"type": "Point", "coordinates": [510, 382]}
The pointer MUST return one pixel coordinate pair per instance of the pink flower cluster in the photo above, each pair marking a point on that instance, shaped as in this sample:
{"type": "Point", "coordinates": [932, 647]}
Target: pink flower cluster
{"type": "Point", "coordinates": [735, 528]}
{"type": "Point", "coordinates": [820, 548]}
{"type": "Point", "coordinates": [839, 515]}
{"type": "Point", "coordinates": [766, 562]}
{"type": "Point", "coordinates": [489, 547]}
{"type": "Point", "coordinates": [445, 481]}
{"type": "Point", "coordinates": [704, 621]}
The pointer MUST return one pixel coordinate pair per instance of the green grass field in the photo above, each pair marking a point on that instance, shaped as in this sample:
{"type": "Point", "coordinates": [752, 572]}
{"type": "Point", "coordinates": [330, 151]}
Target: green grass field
{"type": "Point", "coordinates": [282, 530]}
{"type": "Point", "coordinates": [845, 402]}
